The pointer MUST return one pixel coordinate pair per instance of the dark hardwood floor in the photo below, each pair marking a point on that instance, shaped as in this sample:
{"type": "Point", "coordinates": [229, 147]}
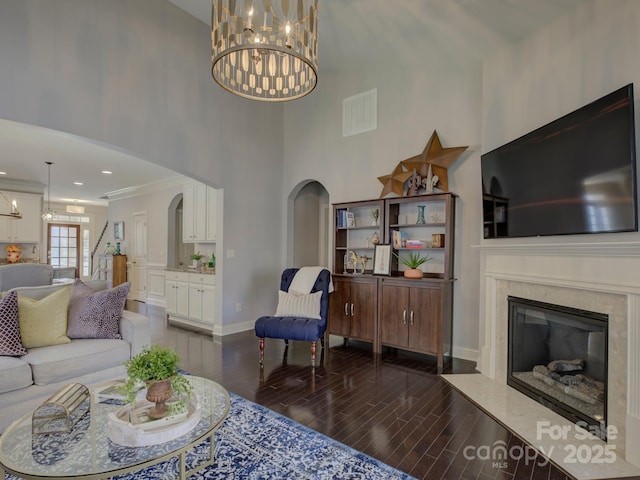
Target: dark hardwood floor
{"type": "Point", "coordinates": [393, 407]}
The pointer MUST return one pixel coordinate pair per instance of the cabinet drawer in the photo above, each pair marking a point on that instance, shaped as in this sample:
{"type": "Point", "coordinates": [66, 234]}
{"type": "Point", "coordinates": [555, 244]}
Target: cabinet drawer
{"type": "Point", "coordinates": [179, 276]}
{"type": "Point", "coordinates": [206, 279]}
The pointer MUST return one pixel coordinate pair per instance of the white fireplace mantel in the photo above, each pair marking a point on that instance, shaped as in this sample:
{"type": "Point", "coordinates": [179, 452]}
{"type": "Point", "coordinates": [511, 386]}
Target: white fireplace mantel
{"type": "Point", "coordinates": [598, 276]}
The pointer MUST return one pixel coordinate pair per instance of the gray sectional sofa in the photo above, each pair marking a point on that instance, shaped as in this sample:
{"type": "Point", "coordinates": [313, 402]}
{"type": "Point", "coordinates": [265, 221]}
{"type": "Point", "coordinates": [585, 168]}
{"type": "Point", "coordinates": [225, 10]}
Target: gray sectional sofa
{"type": "Point", "coordinates": [27, 381]}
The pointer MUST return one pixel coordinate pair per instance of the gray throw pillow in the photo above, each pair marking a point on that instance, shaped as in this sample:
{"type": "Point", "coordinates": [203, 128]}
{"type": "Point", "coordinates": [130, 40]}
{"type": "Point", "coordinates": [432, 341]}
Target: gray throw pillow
{"type": "Point", "coordinates": [10, 340]}
{"type": "Point", "coordinates": [96, 314]}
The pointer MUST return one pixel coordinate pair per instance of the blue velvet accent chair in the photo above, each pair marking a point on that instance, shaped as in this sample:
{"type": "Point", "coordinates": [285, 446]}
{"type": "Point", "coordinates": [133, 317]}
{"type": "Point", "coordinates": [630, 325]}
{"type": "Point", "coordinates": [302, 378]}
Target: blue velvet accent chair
{"type": "Point", "coordinates": [297, 328]}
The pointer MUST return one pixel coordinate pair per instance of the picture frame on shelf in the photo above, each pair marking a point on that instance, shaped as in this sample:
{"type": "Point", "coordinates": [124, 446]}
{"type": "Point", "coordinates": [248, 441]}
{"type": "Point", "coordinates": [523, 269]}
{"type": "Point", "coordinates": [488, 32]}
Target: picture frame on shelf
{"type": "Point", "coordinates": [118, 230]}
{"type": "Point", "coordinates": [382, 259]}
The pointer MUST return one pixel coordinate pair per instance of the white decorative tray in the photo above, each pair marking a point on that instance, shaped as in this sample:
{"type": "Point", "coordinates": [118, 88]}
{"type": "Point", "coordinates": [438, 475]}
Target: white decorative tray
{"type": "Point", "coordinates": [130, 425]}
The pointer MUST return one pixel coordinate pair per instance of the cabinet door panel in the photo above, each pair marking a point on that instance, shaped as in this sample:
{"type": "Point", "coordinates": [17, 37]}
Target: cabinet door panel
{"type": "Point", "coordinates": [394, 315]}
{"type": "Point", "coordinates": [363, 310]}
{"type": "Point", "coordinates": [188, 213]}
{"type": "Point", "coordinates": [195, 301]}
{"type": "Point", "coordinates": [425, 329]}
{"type": "Point", "coordinates": [212, 214]}
{"type": "Point", "coordinates": [30, 227]}
{"type": "Point", "coordinates": [182, 299]}
{"type": "Point", "coordinates": [200, 213]}
{"type": "Point", "coordinates": [208, 303]}
{"type": "Point", "coordinates": [339, 318]}
{"type": "Point", "coordinates": [170, 292]}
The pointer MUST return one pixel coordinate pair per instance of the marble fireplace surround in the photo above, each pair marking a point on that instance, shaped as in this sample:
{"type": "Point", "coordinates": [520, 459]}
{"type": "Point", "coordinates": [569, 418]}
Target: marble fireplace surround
{"type": "Point", "coordinates": [601, 277]}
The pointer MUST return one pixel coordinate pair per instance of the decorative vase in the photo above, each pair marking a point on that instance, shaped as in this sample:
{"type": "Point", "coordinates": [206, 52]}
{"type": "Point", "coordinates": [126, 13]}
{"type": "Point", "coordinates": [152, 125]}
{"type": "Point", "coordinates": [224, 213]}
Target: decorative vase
{"type": "Point", "coordinates": [159, 392]}
{"type": "Point", "coordinates": [109, 249]}
{"type": "Point", "coordinates": [421, 219]}
{"type": "Point", "coordinates": [117, 249]}
{"type": "Point", "coordinates": [13, 257]}
{"type": "Point", "coordinates": [413, 273]}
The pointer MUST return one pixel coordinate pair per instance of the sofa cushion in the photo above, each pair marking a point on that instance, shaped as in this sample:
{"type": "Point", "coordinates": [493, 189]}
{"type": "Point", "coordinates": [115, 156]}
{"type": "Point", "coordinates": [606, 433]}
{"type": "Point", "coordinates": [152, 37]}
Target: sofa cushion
{"type": "Point", "coordinates": [63, 362]}
{"type": "Point", "coordinates": [96, 314]}
{"type": "Point", "coordinates": [44, 322]}
{"type": "Point", "coordinates": [15, 374]}
{"type": "Point", "coordinates": [10, 341]}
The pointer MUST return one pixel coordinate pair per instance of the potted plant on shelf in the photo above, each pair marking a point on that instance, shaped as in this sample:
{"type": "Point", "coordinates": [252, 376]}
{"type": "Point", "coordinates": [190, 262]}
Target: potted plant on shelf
{"type": "Point", "coordinates": [157, 367]}
{"type": "Point", "coordinates": [196, 257]}
{"type": "Point", "coordinates": [413, 261]}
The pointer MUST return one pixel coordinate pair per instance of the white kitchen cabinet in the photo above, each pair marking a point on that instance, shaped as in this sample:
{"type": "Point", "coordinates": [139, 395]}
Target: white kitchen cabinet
{"type": "Point", "coordinates": [28, 228]}
{"type": "Point", "coordinates": [190, 298]}
{"type": "Point", "coordinates": [177, 293]}
{"type": "Point", "coordinates": [212, 214]}
{"type": "Point", "coordinates": [199, 213]}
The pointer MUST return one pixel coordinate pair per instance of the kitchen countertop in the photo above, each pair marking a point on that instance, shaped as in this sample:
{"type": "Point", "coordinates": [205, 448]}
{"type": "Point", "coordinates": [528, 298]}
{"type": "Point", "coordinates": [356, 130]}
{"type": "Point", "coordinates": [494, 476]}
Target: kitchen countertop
{"type": "Point", "coordinates": [203, 271]}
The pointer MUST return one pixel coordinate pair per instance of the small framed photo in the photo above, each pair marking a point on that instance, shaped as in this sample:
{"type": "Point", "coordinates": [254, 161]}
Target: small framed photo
{"type": "Point", "coordinates": [382, 259]}
{"type": "Point", "coordinates": [118, 231]}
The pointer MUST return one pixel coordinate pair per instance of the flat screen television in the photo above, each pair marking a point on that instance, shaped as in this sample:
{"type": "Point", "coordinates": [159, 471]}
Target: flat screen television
{"type": "Point", "coordinates": [575, 175]}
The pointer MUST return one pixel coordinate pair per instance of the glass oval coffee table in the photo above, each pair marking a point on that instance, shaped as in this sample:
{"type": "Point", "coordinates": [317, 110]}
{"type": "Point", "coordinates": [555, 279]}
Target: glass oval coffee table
{"type": "Point", "coordinates": [87, 452]}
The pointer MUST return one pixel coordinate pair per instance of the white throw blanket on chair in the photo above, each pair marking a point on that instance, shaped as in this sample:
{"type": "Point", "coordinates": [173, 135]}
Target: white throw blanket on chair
{"type": "Point", "coordinates": [305, 278]}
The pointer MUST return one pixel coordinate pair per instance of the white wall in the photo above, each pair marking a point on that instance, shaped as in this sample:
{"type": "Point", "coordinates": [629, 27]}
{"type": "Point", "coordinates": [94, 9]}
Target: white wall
{"type": "Point", "coordinates": [136, 75]}
{"type": "Point", "coordinates": [411, 105]}
{"type": "Point", "coordinates": [577, 59]}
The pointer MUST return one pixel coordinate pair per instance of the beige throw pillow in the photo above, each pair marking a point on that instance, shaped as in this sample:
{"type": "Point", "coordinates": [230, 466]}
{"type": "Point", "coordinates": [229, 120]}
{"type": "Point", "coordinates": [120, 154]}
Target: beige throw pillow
{"type": "Point", "coordinates": [44, 322]}
{"type": "Point", "coordinates": [293, 304]}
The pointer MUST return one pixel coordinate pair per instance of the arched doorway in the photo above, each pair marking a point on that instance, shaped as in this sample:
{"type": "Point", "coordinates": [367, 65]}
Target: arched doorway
{"type": "Point", "coordinates": [309, 225]}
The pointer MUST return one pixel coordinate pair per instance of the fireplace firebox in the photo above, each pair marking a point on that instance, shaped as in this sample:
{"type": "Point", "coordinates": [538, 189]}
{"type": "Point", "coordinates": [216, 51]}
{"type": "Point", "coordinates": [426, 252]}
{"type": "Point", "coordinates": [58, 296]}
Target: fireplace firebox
{"type": "Point", "coordinates": [557, 355]}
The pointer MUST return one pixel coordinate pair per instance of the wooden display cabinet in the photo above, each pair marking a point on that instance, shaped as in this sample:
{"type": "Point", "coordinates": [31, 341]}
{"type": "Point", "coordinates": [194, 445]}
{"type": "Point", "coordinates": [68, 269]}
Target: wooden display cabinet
{"type": "Point", "coordinates": [438, 211]}
{"type": "Point", "coordinates": [352, 309]}
{"type": "Point", "coordinates": [392, 311]}
{"type": "Point", "coordinates": [355, 230]}
{"type": "Point", "coordinates": [416, 315]}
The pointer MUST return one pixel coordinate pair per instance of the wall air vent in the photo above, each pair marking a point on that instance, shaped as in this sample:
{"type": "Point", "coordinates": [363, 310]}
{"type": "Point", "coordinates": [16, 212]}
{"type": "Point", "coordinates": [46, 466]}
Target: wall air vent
{"type": "Point", "coordinates": [360, 113]}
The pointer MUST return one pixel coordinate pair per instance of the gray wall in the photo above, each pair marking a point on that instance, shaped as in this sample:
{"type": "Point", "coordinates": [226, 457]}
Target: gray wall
{"type": "Point", "coordinates": [411, 105]}
{"type": "Point", "coordinates": [136, 74]}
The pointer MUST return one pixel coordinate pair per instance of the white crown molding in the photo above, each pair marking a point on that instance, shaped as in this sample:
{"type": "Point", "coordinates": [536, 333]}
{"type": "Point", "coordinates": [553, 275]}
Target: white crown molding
{"type": "Point", "coordinates": [23, 186]}
{"type": "Point", "coordinates": [148, 188]}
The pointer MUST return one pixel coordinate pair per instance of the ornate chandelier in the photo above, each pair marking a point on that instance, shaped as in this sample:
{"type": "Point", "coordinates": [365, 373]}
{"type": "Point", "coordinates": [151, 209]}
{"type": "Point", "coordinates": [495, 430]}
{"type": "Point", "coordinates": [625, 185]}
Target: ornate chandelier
{"type": "Point", "coordinates": [265, 49]}
{"type": "Point", "coordinates": [47, 213]}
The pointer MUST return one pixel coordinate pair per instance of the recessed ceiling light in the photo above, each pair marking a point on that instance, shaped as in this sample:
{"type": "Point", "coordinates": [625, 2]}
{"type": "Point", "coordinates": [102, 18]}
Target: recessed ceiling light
{"type": "Point", "coordinates": [107, 172]}
{"type": "Point", "coordinates": [78, 183]}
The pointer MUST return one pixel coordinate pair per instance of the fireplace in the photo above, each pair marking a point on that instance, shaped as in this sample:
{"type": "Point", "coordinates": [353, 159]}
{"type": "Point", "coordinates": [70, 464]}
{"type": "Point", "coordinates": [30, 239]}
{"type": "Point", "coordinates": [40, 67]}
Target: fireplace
{"type": "Point", "coordinates": [557, 355]}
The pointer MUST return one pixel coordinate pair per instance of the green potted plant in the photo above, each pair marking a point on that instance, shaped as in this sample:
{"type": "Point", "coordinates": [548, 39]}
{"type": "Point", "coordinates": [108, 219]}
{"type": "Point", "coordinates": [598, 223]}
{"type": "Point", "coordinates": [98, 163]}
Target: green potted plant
{"type": "Point", "coordinates": [157, 367]}
{"type": "Point", "coordinates": [413, 261]}
{"type": "Point", "coordinates": [196, 257]}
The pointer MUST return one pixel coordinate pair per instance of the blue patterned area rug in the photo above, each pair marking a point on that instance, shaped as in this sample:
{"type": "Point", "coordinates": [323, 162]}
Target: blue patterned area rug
{"type": "Point", "coordinates": [257, 443]}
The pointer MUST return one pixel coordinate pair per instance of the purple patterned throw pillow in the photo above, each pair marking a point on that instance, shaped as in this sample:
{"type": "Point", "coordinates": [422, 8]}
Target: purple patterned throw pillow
{"type": "Point", "coordinates": [10, 340]}
{"type": "Point", "coordinates": [96, 314]}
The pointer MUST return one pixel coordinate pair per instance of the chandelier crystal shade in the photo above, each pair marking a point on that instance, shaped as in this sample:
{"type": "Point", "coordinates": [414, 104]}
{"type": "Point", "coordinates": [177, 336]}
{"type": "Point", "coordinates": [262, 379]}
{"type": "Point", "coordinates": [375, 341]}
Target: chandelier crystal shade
{"type": "Point", "coordinates": [47, 213]}
{"type": "Point", "coordinates": [265, 49]}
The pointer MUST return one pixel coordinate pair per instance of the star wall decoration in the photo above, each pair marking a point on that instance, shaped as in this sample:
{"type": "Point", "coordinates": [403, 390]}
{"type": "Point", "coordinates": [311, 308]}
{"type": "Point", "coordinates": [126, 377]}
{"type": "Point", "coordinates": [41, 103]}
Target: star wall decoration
{"type": "Point", "coordinates": [439, 158]}
{"type": "Point", "coordinates": [434, 156]}
{"type": "Point", "coordinates": [394, 182]}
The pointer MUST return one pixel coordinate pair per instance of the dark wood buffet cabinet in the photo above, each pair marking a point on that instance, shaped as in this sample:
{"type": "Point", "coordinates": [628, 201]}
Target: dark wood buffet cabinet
{"type": "Point", "coordinates": [390, 310]}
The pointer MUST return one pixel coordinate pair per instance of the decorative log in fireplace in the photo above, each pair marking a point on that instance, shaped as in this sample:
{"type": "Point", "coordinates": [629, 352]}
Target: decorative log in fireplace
{"type": "Point", "coordinates": [558, 357]}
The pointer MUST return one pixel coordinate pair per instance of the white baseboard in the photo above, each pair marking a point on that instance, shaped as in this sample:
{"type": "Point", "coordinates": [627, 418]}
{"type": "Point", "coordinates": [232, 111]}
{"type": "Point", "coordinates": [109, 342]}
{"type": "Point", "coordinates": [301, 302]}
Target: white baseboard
{"type": "Point", "coordinates": [465, 353]}
{"type": "Point", "coordinates": [231, 329]}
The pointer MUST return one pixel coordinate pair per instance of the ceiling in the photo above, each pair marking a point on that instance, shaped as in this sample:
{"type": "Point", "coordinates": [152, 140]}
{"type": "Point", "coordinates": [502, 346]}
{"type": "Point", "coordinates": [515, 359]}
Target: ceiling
{"type": "Point", "coordinates": [353, 35]}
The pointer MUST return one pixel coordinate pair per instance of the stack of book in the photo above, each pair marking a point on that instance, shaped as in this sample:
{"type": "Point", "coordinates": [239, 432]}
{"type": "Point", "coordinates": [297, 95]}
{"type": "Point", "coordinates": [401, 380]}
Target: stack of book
{"type": "Point", "coordinates": [415, 244]}
{"type": "Point", "coordinates": [345, 219]}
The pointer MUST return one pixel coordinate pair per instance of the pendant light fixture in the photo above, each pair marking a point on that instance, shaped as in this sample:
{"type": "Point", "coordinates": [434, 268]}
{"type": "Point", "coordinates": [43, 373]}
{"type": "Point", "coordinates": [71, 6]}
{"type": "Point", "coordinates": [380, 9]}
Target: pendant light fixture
{"type": "Point", "coordinates": [14, 213]}
{"type": "Point", "coordinates": [47, 213]}
{"type": "Point", "coordinates": [265, 49]}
